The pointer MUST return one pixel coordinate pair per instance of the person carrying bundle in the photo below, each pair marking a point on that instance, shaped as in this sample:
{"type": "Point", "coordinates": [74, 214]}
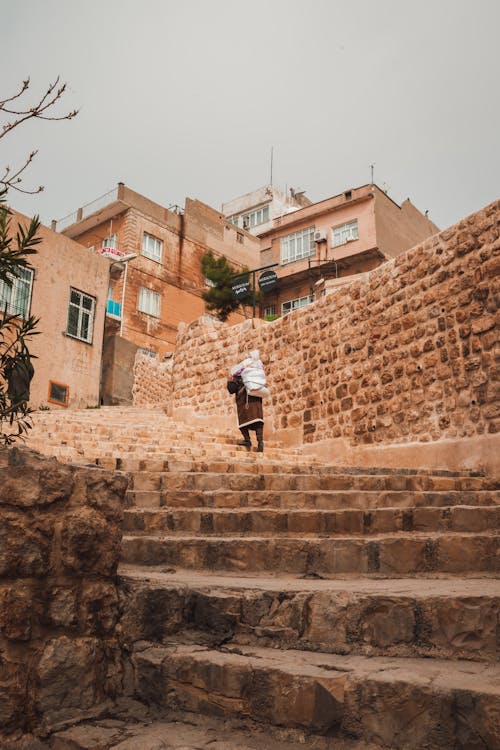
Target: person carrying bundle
{"type": "Point", "coordinates": [248, 384]}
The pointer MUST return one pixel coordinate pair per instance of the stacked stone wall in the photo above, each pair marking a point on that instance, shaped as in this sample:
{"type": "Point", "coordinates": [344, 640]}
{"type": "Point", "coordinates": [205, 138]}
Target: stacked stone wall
{"type": "Point", "coordinates": [152, 381]}
{"type": "Point", "coordinates": [407, 354]}
{"type": "Point", "coordinates": [60, 541]}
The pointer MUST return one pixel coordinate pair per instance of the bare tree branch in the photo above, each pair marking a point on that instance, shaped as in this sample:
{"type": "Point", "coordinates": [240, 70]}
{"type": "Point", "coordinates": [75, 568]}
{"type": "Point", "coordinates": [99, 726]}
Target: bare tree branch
{"type": "Point", "coordinates": [37, 111]}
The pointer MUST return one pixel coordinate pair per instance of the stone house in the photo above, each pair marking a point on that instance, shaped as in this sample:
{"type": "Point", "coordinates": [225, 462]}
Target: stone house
{"type": "Point", "coordinates": [321, 246]}
{"type": "Point", "coordinates": [156, 278]}
{"type": "Point", "coordinates": [66, 287]}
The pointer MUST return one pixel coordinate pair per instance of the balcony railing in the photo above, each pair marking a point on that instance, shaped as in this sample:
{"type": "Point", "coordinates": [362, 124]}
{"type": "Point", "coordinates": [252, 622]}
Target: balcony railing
{"type": "Point", "coordinates": [114, 309]}
{"type": "Point", "coordinates": [87, 209]}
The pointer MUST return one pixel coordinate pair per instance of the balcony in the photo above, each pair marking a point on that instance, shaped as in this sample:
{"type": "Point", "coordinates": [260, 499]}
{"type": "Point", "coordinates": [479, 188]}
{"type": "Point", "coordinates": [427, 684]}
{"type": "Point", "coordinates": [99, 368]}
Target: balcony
{"type": "Point", "coordinates": [114, 309]}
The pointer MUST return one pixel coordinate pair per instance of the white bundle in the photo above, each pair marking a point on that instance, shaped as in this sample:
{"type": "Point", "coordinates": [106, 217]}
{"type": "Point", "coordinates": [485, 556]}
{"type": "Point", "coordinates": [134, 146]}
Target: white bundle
{"type": "Point", "coordinates": [252, 374]}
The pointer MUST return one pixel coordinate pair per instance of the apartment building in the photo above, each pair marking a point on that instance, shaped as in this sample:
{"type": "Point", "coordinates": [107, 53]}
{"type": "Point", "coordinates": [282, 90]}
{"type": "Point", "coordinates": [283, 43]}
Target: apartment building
{"type": "Point", "coordinates": [316, 248]}
{"type": "Point", "coordinates": [156, 279]}
{"type": "Point", "coordinates": [256, 211]}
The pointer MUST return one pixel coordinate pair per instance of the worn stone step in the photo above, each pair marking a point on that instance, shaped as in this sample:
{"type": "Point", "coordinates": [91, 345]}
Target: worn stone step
{"type": "Point", "coordinates": [204, 481]}
{"type": "Point", "coordinates": [443, 618]}
{"type": "Point", "coordinates": [314, 522]}
{"type": "Point", "coordinates": [302, 499]}
{"type": "Point", "coordinates": [396, 703]}
{"type": "Point", "coordinates": [387, 555]}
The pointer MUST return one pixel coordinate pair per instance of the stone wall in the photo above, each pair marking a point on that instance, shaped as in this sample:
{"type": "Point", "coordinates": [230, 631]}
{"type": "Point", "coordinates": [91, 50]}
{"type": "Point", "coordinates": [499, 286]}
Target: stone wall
{"type": "Point", "coordinates": [152, 381]}
{"type": "Point", "coordinates": [400, 367]}
{"type": "Point", "coordinates": [60, 542]}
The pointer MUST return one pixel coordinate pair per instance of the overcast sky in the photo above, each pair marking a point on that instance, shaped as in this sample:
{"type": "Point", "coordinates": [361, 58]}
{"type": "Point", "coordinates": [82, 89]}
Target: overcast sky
{"type": "Point", "coordinates": [187, 98]}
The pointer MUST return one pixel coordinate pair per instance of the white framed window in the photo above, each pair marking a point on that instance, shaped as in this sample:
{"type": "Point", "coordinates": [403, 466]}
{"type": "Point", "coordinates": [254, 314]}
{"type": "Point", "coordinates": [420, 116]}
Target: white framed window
{"type": "Point", "coordinates": [234, 220]}
{"type": "Point", "coordinates": [16, 298]}
{"type": "Point", "coordinates": [297, 245]}
{"type": "Point", "coordinates": [345, 233]}
{"type": "Point", "coordinates": [149, 302]}
{"type": "Point", "coordinates": [111, 241]}
{"type": "Point", "coordinates": [80, 316]}
{"type": "Point", "coordinates": [295, 304]}
{"type": "Point", "coordinates": [269, 311]}
{"type": "Point", "coordinates": [253, 218]}
{"type": "Point", "coordinates": [152, 247]}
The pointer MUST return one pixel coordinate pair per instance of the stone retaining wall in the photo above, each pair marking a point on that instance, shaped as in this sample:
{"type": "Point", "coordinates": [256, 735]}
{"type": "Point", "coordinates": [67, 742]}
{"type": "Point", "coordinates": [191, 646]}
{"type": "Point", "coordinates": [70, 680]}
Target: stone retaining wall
{"type": "Point", "coordinates": [152, 381]}
{"type": "Point", "coordinates": [60, 540]}
{"type": "Point", "coordinates": [406, 357]}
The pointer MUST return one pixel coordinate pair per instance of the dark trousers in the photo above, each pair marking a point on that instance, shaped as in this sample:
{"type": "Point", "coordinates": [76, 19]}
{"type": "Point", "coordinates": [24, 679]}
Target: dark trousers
{"type": "Point", "coordinates": [258, 427]}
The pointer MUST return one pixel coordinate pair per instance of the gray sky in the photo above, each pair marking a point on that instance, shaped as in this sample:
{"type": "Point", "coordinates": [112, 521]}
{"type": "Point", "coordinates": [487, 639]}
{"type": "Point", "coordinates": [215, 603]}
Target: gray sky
{"type": "Point", "coordinates": [186, 98]}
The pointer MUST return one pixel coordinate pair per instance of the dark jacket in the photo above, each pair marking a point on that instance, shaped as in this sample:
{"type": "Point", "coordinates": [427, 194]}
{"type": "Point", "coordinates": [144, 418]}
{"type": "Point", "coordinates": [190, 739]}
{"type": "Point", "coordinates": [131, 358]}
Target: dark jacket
{"type": "Point", "coordinates": [249, 407]}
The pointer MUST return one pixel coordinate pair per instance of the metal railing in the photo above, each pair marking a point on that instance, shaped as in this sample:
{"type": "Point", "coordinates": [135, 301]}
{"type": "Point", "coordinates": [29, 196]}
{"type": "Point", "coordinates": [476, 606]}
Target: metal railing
{"type": "Point", "coordinates": [87, 209]}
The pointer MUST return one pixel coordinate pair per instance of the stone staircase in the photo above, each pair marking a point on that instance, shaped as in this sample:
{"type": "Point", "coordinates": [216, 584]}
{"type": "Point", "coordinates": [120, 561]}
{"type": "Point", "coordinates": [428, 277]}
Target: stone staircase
{"type": "Point", "coordinates": [337, 607]}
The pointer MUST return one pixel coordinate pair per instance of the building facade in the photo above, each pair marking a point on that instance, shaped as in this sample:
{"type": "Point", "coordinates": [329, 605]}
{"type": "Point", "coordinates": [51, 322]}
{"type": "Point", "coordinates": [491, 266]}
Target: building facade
{"type": "Point", "coordinates": [156, 280]}
{"type": "Point", "coordinates": [322, 246]}
{"type": "Point", "coordinates": [66, 287]}
{"type": "Point", "coordinates": [256, 211]}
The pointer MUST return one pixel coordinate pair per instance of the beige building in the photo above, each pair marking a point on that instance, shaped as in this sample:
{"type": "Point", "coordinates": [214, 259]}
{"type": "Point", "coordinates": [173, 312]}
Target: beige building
{"type": "Point", "coordinates": [321, 246]}
{"type": "Point", "coordinates": [66, 287]}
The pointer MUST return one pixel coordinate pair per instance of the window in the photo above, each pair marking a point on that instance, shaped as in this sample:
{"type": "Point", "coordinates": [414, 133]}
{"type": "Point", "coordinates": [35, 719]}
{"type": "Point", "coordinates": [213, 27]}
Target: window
{"type": "Point", "coordinates": [269, 311]}
{"type": "Point", "coordinates": [344, 233]}
{"type": "Point", "coordinates": [234, 220]}
{"type": "Point", "coordinates": [151, 247]}
{"type": "Point", "coordinates": [239, 237]}
{"type": "Point", "coordinates": [297, 245]}
{"type": "Point", "coordinates": [149, 302]}
{"type": "Point", "coordinates": [111, 241]}
{"type": "Point", "coordinates": [58, 393]}
{"type": "Point", "coordinates": [252, 218]}
{"type": "Point", "coordinates": [15, 299]}
{"type": "Point", "coordinates": [295, 304]}
{"type": "Point", "coordinates": [80, 316]}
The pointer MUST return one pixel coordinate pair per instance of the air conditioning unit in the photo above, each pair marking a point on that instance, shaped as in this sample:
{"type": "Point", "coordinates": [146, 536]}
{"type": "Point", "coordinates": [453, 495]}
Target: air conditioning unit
{"type": "Point", "coordinates": [320, 236]}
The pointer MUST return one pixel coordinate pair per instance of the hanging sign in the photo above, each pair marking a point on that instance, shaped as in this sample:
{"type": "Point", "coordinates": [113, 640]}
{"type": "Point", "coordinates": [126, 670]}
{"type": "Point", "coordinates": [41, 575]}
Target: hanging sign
{"type": "Point", "coordinates": [241, 288]}
{"type": "Point", "coordinates": [267, 281]}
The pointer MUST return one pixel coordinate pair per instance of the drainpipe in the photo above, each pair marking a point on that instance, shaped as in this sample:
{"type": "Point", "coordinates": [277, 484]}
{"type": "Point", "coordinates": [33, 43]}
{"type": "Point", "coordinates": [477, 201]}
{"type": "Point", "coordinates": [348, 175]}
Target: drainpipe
{"type": "Point", "coordinates": [123, 299]}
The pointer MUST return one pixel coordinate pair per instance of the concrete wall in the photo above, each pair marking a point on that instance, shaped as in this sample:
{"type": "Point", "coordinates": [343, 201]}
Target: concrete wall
{"type": "Point", "coordinates": [399, 228]}
{"type": "Point", "coordinates": [398, 368]}
{"type": "Point", "coordinates": [60, 264]}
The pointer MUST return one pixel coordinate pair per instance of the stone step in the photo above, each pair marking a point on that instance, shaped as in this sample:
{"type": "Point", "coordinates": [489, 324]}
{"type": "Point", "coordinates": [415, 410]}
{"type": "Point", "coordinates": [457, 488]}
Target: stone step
{"type": "Point", "coordinates": [389, 555]}
{"type": "Point", "coordinates": [310, 522]}
{"type": "Point", "coordinates": [298, 499]}
{"type": "Point", "coordinates": [213, 481]}
{"type": "Point", "coordinates": [440, 618]}
{"type": "Point", "coordinates": [396, 703]}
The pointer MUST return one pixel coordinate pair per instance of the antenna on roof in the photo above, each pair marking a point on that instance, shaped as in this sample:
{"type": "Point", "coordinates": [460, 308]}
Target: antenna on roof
{"type": "Point", "coordinates": [271, 180]}
{"type": "Point", "coordinates": [371, 168]}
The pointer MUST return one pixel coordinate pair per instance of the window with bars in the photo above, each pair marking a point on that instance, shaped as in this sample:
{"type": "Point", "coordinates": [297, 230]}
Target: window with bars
{"type": "Point", "coordinates": [295, 304]}
{"type": "Point", "coordinates": [152, 247]}
{"type": "Point", "coordinates": [149, 302]}
{"type": "Point", "coordinates": [80, 316]}
{"type": "Point", "coordinates": [345, 233]}
{"type": "Point", "coordinates": [15, 298]}
{"type": "Point", "coordinates": [297, 245]}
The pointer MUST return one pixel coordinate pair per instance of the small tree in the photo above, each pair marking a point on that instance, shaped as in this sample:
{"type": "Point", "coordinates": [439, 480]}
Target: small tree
{"type": "Point", "coordinates": [16, 369]}
{"type": "Point", "coordinates": [15, 359]}
{"type": "Point", "coordinates": [219, 298]}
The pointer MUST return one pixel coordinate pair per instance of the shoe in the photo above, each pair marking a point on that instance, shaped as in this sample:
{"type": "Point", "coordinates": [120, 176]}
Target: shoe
{"type": "Point", "coordinates": [260, 447]}
{"type": "Point", "coordinates": [245, 444]}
